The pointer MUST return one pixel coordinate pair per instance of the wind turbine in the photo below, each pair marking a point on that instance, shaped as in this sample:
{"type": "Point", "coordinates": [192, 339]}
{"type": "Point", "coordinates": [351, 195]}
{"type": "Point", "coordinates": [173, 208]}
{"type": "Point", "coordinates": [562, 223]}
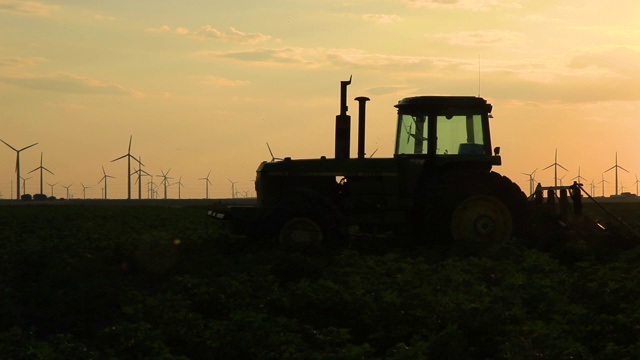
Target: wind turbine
{"type": "Point", "coordinates": [140, 175]}
{"type": "Point", "coordinates": [603, 181]}
{"type": "Point", "coordinates": [532, 180]}
{"type": "Point", "coordinates": [84, 190]}
{"type": "Point", "coordinates": [165, 181]}
{"type": "Point", "coordinates": [593, 188]}
{"type": "Point", "coordinates": [52, 185]}
{"type": "Point", "coordinates": [233, 188]}
{"type": "Point", "coordinates": [41, 168]}
{"type": "Point", "coordinates": [24, 184]}
{"type": "Point", "coordinates": [273, 158]}
{"type": "Point", "coordinates": [636, 184]}
{"type": "Point", "coordinates": [179, 183]}
{"type": "Point", "coordinates": [129, 157]}
{"type": "Point", "coordinates": [207, 182]}
{"type": "Point", "coordinates": [579, 178]}
{"type": "Point", "coordinates": [104, 178]}
{"type": "Point", "coordinates": [562, 177]}
{"type": "Point", "coordinates": [616, 166]}
{"type": "Point", "coordinates": [555, 168]}
{"type": "Point", "coordinates": [67, 187]}
{"type": "Point", "coordinates": [18, 151]}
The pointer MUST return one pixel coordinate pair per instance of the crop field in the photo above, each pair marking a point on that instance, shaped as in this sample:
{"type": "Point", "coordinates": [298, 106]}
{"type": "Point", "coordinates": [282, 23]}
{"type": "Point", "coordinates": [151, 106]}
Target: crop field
{"type": "Point", "coordinates": [81, 281]}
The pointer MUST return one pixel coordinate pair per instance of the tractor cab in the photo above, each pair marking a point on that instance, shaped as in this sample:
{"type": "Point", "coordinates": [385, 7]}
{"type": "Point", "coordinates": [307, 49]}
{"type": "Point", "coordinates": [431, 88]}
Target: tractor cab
{"type": "Point", "coordinates": [444, 126]}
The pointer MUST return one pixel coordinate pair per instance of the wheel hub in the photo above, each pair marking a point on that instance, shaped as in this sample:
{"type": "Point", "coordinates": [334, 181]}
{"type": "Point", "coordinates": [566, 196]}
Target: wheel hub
{"type": "Point", "coordinates": [481, 218]}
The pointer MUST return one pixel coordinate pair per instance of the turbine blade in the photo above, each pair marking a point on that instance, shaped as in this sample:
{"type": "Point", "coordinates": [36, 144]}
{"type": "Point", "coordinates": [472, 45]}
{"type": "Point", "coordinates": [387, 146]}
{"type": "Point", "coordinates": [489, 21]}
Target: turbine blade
{"type": "Point", "coordinates": [26, 147]}
{"type": "Point", "coordinates": [623, 168]}
{"type": "Point", "coordinates": [121, 157]}
{"type": "Point", "coordinates": [12, 148]}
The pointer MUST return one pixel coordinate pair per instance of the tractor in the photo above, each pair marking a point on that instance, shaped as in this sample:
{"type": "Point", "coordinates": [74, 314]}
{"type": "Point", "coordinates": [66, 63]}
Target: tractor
{"type": "Point", "coordinates": [438, 185]}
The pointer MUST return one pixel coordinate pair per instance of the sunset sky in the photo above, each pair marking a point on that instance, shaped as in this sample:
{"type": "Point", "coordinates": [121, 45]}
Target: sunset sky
{"type": "Point", "coordinates": [202, 85]}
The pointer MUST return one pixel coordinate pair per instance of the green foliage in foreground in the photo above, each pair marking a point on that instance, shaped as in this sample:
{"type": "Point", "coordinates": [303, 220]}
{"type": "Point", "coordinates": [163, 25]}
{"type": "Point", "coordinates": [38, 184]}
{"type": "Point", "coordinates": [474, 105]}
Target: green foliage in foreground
{"type": "Point", "coordinates": [82, 282]}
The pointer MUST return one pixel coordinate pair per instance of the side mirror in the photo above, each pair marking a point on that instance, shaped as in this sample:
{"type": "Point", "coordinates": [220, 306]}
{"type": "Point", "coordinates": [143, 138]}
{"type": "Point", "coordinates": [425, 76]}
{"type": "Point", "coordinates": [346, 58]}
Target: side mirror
{"type": "Point", "coordinates": [496, 150]}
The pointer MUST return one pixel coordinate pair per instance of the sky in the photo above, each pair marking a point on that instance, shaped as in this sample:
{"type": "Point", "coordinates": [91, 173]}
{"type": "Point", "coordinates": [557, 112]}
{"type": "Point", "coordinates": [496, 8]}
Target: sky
{"type": "Point", "coordinates": [201, 86]}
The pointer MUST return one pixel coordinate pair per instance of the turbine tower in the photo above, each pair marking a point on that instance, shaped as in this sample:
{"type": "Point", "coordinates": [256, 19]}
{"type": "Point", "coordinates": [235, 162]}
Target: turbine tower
{"type": "Point", "coordinates": [616, 166]}
{"type": "Point", "coordinates": [18, 151]}
{"type": "Point", "coordinates": [636, 184]}
{"type": "Point", "coordinates": [165, 181]}
{"type": "Point", "coordinates": [129, 157]}
{"type": "Point", "coordinates": [555, 168]}
{"type": "Point", "coordinates": [140, 173]}
{"type": "Point", "coordinates": [233, 188]}
{"type": "Point", "coordinates": [603, 181]}
{"type": "Point", "coordinates": [579, 178]}
{"type": "Point", "coordinates": [41, 168]}
{"type": "Point", "coordinates": [179, 183]}
{"type": "Point", "coordinates": [67, 187]}
{"type": "Point", "coordinates": [84, 190]}
{"type": "Point", "coordinates": [207, 182]}
{"type": "Point", "coordinates": [52, 185]}
{"type": "Point", "coordinates": [532, 180]}
{"type": "Point", "coordinates": [104, 178]}
{"type": "Point", "coordinates": [24, 184]}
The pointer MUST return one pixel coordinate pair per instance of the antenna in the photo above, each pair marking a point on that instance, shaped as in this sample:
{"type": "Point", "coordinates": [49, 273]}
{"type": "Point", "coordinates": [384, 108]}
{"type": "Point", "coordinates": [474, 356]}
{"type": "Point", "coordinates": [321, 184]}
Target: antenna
{"type": "Point", "coordinates": [18, 151]}
{"type": "Point", "coordinates": [478, 75]}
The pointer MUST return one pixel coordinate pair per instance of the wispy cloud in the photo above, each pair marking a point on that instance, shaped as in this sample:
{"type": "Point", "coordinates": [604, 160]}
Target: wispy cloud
{"type": "Point", "coordinates": [102, 17]}
{"type": "Point", "coordinates": [481, 38]}
{"type": "Point", "coordinates": [67, 83]}
{"type": "Point", "coordinates": [382, 18]}
{"type": "Point", "coordinates": [209, 32]}
{"type": "Point", "coordinates": [475, 5]}
{"type": "Point", "coordinates": [29, 8]}
{"type": "Point", "coordinates": [315, 57]}
{"type": "Point", "coordinates": [222, 82]}
{"type": "Point", "coordinates": [14, 63]}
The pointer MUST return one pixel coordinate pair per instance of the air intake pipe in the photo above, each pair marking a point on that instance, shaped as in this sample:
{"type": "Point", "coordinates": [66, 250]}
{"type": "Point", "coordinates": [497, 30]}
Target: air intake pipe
{"type": "Point", "coordinates": [343, 124]}
{"type": "Point", "coordinates": [362, 109]}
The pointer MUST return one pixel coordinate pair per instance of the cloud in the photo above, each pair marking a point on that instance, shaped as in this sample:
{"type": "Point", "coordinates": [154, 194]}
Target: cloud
{"type": "Point", "coordinates": [67, 83]}
{"type": "Point", "coordinates": [222, 82]}
{"type": "Point", "coordinates": [474, 5]}
{"type": "Point", "coordinates": [29, 8]}
{"type": "Point", "coordinates": [481, 38]}
{"type": "Point", "coordinates": [14, 63]}
{"type": "Point", "coordinates": [316, 57]}
{"type": "Point", "coordinates": [382, 18]}
{"type": "Point", "coordinates": [103, 17]}
{"type": "Point", "coordinates": [621, 61]}
{"type": "Point", "coordinates": [208, 32]}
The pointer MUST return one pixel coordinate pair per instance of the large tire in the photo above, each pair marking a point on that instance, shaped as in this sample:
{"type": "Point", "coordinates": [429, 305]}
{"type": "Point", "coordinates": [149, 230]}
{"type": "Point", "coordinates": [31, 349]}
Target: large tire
{"type": "Point", "coordinates": [305, 221]}
{"type": "Point", "coordinates": [487, 207]}
{"type": "Point", "coordinates": [475, 206]}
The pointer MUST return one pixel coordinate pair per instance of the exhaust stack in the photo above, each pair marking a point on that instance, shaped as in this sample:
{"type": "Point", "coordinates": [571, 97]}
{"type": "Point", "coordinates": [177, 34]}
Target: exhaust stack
{"type": "Point", "coordinates": [343, 124]}
{"type": "Point", "coordinates": [362, 109]}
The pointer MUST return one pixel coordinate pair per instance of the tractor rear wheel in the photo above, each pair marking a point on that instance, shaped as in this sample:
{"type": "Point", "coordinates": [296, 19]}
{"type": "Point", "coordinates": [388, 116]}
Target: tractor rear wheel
{"type": "Point", "coordinates": [481, 218]}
